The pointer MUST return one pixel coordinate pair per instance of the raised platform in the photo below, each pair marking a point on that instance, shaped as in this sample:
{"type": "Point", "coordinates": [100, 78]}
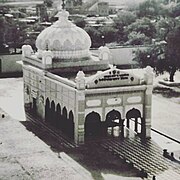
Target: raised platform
{"type": "Point", "coordinates": [169, 84]}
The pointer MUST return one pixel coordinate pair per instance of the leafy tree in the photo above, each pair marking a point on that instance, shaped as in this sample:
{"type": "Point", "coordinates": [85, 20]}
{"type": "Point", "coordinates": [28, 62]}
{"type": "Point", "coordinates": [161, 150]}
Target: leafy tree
{"type": "Point", "coordinates": [48, 3]}
{"type": "Point", "coordinates": [137, 38]}
{"type": "Point", "coordinates": [143, 26]}
{"type": "Point", "coordinates": [4, 9]}
{"type": "Point", "coordinates": [3, 29]}
{"type": "Point", "coordinates": [176, 10]}
{"type": "Point", "coordinates": [101, 35]}
{"type": "Point", "coordinates": [95, 35]}
{"type": "Point", "coordinates": [77, 2]}
{"type": "Point", "coordinates": [164, 26]}
{"type": "Point", "coordinates": [149, 8]}
{"type": "Point", "coordinates": [153, 56]}
{"type": "Point", "coordinates": [173, 52]}
{"type": "Point", "coordinates": [12, 33]}
{"type": "Point", "coordinates": [109, 33]}
{"type": "Point", "coordinates": [162, 56]}
{"type": "Point", "coordinates": [79, 21]}
{"type": "Point", "coordinates": [123, 19]}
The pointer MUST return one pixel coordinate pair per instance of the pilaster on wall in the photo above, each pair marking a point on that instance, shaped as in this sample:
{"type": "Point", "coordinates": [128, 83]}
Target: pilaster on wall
{"type": "Point", "coordinates": [79, 123]}
{"type": "Point", "coordinates": [80, 105]}
{"type": "Point", "coordinates": [148, 77]}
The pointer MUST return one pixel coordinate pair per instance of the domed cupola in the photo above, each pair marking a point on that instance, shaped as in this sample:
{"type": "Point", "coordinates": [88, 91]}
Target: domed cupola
{"type": "Point", "coordinates": [64, 39]}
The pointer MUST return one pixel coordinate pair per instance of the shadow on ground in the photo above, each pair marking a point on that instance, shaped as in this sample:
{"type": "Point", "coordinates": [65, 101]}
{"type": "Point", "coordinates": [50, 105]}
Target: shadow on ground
{"type": "Point", "coordinates": [91, 156]}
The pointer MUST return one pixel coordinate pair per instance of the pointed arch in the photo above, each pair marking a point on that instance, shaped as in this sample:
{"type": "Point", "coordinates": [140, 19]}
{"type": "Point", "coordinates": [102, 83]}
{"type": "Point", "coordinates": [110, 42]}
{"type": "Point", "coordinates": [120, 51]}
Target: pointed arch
{"type": "Point", "coordinates": [70, 125]}
{"type": "Point", "coordinates": [47, 110]}
{"type": "Point", "coordinates": [71, 116]}
{"type": "Point", "coordinates": [92, 124]}
{"type": "Point", "coordinates": [64, 120]}
{"type": "Point", "coordinates": [53, 114]}
{"type": "Point", "coordinates": [58, 115]}
{"type": "Point", "coordinates": [113, 120]}
{"type": "Point", "coordinates": [136, 115]}
{"type": "Point", "coordinates": [64, 112]}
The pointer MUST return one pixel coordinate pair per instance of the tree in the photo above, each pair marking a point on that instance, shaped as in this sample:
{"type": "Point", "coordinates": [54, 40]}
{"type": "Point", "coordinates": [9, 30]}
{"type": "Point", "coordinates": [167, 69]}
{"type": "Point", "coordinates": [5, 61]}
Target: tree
{"type": "Point", "coordinates": [3, 27]}
{"type": "Point", "coordinates": [48, 3]}
{"type": "Point", "coordinates": [153, 56]}
{"type": "Point", "coordinates": [109, 34]}
{"type": "Point", "coordinates": [149, 8]}
{"type": "Point", "coordinates": [143, 26]}
{"type": "Point", "coordinates": [123, 19]}
{"type": "Point", "coordinates": [162, 56]}
{"type": "Point", "coordinates": [164, 26]}
{"type": "Point", "coordinates": [137, 38]}
{"type": "Point", "coordinates": [95, 35]}
{"type": "Point", "coordinates": [79, 21]}
{"type": "Point", "coordinates": [176, 10]}
{"type": "Point", "coordinates": [12, 33]}
{"type": "Point", "coordinates": [173, 52]}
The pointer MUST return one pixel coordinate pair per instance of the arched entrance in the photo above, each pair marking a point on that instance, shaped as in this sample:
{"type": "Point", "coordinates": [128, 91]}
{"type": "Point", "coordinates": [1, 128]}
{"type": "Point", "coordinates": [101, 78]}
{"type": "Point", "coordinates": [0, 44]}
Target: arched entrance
{"type": "Point", "coordinates": [58, 116]}
{"type": "Point", "coordinates": [70, 125]}
{"type": "Point", "coordinates": [64, 120]}
{"type": "Point", "coordinates": [92, 125]}
{"type": "Point", "coordinates": [114, 123]}
{"type": "Point", "coordinates": [47, 110]}
{"type": "Point", "coordinates": [34, 106]}
{"type": "Point", "coordinates": [135, 116]}
{"type": "Point", "coordinates": [53, 114]}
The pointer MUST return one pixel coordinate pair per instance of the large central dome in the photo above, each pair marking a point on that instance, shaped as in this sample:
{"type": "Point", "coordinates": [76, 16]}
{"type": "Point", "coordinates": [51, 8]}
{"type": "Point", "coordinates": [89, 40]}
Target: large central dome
{"type": "Point", "coordinates": [64, 39]}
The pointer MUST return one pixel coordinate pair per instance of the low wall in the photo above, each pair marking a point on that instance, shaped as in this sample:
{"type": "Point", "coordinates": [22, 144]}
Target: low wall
{"type": "Point", "coordinates": [8, 65]}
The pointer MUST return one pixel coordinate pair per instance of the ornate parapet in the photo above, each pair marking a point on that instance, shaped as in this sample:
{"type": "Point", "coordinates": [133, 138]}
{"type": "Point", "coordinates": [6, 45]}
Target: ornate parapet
{"type": "Point", "coordinates": [104, 53]}
{"type": "Point", "coordinates": [47, 57]}
{"type": "Point", "coordinates": [27, 51]}
{"type": "Point", "coordinates": [148, 76]}
{"type": "Point", "coordinates": [80, 80]}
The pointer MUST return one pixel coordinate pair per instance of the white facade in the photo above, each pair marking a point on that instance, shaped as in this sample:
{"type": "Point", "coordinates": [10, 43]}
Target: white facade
{"type": "Point", "coordinates": [83, 96]}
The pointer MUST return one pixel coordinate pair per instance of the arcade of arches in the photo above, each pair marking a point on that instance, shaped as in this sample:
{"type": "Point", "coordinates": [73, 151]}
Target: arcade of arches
{"type": "Point", "coordinates": [94, 126]}
{"type": "Point", "coordinates": [114, 125]}
{"type": "Point", "coordinates": [59, 118]}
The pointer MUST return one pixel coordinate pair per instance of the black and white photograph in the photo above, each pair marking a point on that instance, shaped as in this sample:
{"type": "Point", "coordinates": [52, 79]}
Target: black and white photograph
{"type": "Point", "coordinates": [90, 90]}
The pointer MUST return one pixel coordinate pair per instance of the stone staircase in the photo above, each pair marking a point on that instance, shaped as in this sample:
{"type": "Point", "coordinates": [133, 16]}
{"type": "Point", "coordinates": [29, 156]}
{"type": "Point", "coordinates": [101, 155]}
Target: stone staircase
{"type": "Point", "coordinates": [143, 155]}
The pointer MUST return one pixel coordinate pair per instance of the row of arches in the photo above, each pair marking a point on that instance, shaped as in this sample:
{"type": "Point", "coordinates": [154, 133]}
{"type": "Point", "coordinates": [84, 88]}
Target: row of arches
{"type": "Point", "coordinates": [59, 118]}
{"type": "Point", "coordinates": [95, 127]}
{"type": "Point", "coordinates": [113, 121]}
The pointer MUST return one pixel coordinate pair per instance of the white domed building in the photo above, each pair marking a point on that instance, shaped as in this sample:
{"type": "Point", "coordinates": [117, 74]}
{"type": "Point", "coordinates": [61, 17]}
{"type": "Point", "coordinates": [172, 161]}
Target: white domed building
{"type": "Point", "coordinates": [81, 94]}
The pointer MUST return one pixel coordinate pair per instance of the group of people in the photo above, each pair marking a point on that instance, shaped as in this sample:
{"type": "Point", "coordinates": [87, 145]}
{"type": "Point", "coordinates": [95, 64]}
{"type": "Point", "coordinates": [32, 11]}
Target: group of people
{"type": "Point", "coordinates": [169, 156]}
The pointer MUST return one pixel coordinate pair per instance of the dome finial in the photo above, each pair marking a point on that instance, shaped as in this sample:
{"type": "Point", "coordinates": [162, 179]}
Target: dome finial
{"type": "Point", "coordinates": [63, 14]}
{"type": "Point", "coordinates": [63, 4]}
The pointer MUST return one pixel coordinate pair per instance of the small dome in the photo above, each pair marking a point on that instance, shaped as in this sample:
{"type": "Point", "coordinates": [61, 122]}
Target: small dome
{"type": "Point", "coordinates": [64, 39]}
